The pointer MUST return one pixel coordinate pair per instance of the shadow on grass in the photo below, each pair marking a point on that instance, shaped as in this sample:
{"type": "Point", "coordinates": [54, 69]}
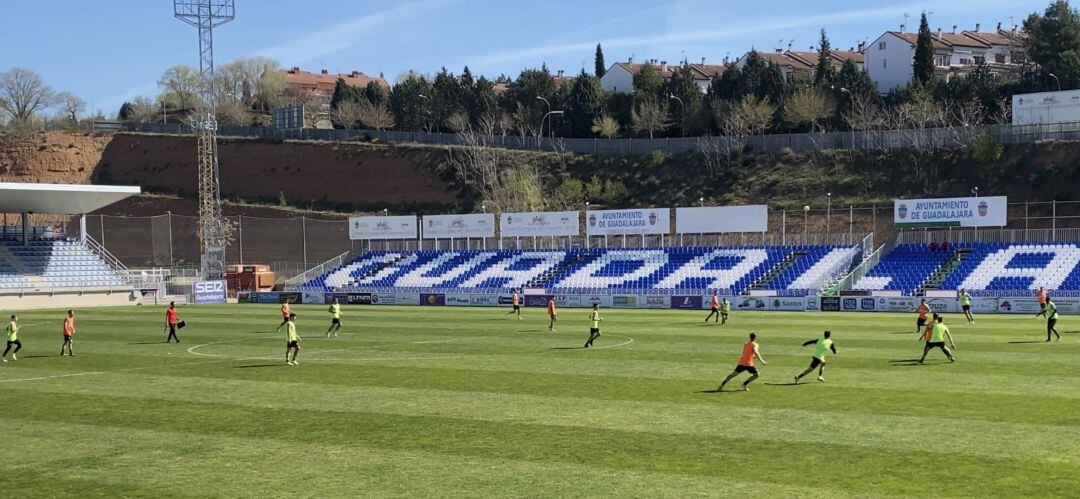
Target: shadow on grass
{"type": "Point", "coordinates": [1022, 342]}
{"type": "Point", "coordinates": [785, 384]}
{"type": "Point", "coordinates": [903, 332]}
{"type": "Point", "coordinates": [36, 356]}
{"type": "Point", "coordinates": [251, 366]}
{"type": "Point", "coordinates": [708, 391]}
{"type": "Point", "coordinates": [569, 348]}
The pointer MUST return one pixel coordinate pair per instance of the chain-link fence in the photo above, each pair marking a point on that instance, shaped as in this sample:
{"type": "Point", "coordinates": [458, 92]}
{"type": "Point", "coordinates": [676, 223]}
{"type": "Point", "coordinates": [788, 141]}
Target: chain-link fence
{"type": "Point", "coordinates": [920, 138]}
{"type": "Point", "coordinates": [293, 245]}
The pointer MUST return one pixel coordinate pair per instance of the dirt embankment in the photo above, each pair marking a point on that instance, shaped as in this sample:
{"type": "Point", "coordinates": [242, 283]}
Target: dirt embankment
{"type": "Point", "coordinates": [340, 177]}
{"type": "Point", "coordinates": [310, 179]}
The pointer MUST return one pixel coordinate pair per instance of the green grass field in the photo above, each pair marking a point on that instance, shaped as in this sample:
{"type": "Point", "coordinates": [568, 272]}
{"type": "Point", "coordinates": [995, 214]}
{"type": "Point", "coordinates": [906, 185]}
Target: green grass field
{"type": "Point", "coordinates": [459, 402]}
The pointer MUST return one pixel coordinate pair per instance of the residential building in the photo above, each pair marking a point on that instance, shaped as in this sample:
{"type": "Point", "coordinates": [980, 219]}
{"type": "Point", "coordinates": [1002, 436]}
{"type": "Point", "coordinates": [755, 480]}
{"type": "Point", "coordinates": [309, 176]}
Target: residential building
{"type": "Point", "coordinates": [620, 76]}
{"type": "Point", "coordinates": [890, 58]}
{"type": "Point", "coordinates": [797, 64]}
{"type": "Point", "coordinates": [323, 82]}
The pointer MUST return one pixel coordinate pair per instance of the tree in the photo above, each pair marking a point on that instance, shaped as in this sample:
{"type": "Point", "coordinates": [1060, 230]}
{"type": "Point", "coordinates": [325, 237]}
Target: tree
{"type": "Point", "coordinates": [411, 111]}
{"type": "Point", "coordinates": [924, 53]}
{"type": "Point", "coordinates": [648, 83]}
{"type": "Point", "coordinates": [864, 113]}
{"type": "Point", "coordinates": [649, 116]}
{"type": "Point", "coordinates": [1053, 45]}
{"type": "Point", "coordinates": [809, 106]}
{"type": "Point", "coordinates": [181, 86]}
{"type": "Point", "coordinates": [23, 93]}
{"type": "Point", "coordinates": [824, 73]}
{"type": "Point", "coordinates": [127, 112]}
{"type": "Point", "coordinates": [375, 115]}
{"type": "Point", "coordinates": [685, 96]}
{"type": "Point", "coordinates": [583, 104]}
{"type": "Point", "coordinates": [749, 115]}
{"type": "Point", "coordinates": [605, 126]}
{"type": "Point", "coordinates": [343, 92]}
{"type": "Point", "coordinates": [144, 110]}
{"type": "Point", "coordinates": [598, 61]}
{"type": "Point", "coordinates": [72, 106]}
{"type": "Point", "coordinates": [523, 100]}
{"type": "Point", "coordinates": [346, 114]}
{"type": "Point", "coordinates": [375, 93]}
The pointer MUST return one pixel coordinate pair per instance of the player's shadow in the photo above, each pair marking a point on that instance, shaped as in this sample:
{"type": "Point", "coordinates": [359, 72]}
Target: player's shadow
{"type": "Point", "coordinates": [905, 362]}
{"type": "Point", "coordinates": [568, 348]}
{"type": "Point", "coordinates": [252, 366]}
{"type": "Point", "coordinates": [708, 391]}
{"type": "Point", "coordinates": [903, 332]}
{"type": "Point", "coordinates": [785, 384]}
{"type": "Point", "coordinates": [36, 356]}
{"type": "Point", "coordinates": [1022, 342]}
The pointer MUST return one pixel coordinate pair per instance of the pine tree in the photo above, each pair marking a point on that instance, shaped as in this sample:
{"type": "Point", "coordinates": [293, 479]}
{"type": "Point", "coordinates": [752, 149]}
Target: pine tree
{"type": "Point", "coordinates": [824, 72]}
{"type": "Point", "coordinates": [127, 112]}
{"type": "Point", "coordinates": [648, 83]}
{"type": "Point", "coordinates": [683, 86]}
{"type": "Point", "coordinates": [924, 53]}
{"type": "Point", "coordinates": [583, 104]}
{"type": "Point", "coordinates": [1053, 45]}
{"type": "Point", "coordinates": [601, 68]}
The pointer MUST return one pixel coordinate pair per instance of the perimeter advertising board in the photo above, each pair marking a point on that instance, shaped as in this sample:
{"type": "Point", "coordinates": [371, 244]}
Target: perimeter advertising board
{"type": "Point", "coordinates": [459, 226]}
{"type": "Point", "coordinates": [619, 222]}
{"type": "Point", "coordinates": [1046, 107]}
{"type": "Point", "coordinates": [951, 212]}
{"type": "Point", "coordinates": [536, 223]}
{"type": "Point", "coordinates": [379, 228]}
{"type": "Point", "coordinates": [722, 219]}
{"type": "Point", "coordinates": [208, 292]}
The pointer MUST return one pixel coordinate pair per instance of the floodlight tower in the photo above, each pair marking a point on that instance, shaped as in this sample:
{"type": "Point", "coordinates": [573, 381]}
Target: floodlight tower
{"type": "Point", "coordinates": [213, 228]}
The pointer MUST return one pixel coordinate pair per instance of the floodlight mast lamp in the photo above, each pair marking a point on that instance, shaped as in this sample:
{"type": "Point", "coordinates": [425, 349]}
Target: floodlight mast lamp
{"type": "Point", "coordinates": [206, 15]}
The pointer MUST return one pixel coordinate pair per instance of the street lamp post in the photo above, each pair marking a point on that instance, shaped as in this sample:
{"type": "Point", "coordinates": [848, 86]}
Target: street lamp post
{"type": "Point", "coordinates": [1054, 76]}
{"type": "Point", "coordinates": [549, 113]}
{"type": "Point", "coordinates": [424, 109]}
{"type": "Point", "coordinates": [975, 191]}
{"type": "Point", "coordinates": [682, 114]}
{"type": "Point", "coordinates": [806, 221]}
{"type": "Point", "coordinates": [828, 213]}
{"type": "Point", "coordinates": [542, 121]}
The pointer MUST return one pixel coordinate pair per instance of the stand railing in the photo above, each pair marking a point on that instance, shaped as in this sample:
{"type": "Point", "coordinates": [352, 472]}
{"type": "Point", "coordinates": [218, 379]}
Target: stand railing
{"type": "Point", "coordinates": [323, 268]}
{"type": "Point", "coordinates": [108, 258]}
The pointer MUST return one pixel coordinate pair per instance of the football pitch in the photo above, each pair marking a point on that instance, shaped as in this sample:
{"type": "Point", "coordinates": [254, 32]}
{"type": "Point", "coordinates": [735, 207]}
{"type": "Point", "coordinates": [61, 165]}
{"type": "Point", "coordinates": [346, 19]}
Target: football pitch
{"type": "Point", "coordinates": [466, 402]}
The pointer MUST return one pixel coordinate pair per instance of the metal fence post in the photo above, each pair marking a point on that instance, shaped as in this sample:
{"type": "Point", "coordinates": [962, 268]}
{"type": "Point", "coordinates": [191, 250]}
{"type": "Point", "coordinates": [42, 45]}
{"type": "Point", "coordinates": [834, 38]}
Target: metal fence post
{"type": "Point", "coordinates": [171, 261]}
{"type": "Point", "coordinates": [303, 232]}
{"type": "Point", "coordinates": [240, 237]}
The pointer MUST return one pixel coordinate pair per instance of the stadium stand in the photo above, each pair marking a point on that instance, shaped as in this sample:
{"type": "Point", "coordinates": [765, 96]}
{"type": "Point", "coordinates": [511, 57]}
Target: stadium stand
{"type": "Point", "coordinates": [58, 263]}
{"type": "Point", "coordinates": [731, 270]}
{"type": "Point", "coordinates": [991, 267]}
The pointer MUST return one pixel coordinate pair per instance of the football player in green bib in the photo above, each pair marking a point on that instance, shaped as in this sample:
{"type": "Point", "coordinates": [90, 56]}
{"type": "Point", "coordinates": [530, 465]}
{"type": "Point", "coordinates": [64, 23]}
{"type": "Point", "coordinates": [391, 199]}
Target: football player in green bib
{"type": "Point", "coordinates": [335, 318]}
{"type": "Point", "coordinates": [1050, 311]}
{"type": "Point", "coordinates": [965, 305]}
{"type": "Point", "coordinates": [594, 325]}
{"type": "Point", "coordinates": [817, 358]}
{"type": "Point", "coordinates": [938, 333]}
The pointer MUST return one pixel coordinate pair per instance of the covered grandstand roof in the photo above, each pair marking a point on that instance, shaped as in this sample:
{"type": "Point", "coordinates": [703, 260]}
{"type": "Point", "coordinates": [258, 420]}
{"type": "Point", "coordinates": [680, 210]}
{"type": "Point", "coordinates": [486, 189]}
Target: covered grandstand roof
{"type": "Point", "coordinates": [60, 199]}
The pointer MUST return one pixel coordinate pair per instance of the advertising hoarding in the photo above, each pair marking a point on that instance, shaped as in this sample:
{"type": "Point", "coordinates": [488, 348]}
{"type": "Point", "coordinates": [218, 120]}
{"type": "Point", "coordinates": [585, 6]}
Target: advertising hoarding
{"type": "Point", "coordinates": [721, 219]}
{"type": "Point", "coordinates": [537, 223]}
{"type": "Point", "coordinates": [619, 222]}
{"type": "Point", "coordinates": [403, 227]}
{"type": "Point", "coordinates": [951, 212]}
{"type": "Point", "coordinates": [459, 226]}
{"type": "Point", "coordinates": [208, 292]}
{"type": "Point", "coordinates": [1046, 107]}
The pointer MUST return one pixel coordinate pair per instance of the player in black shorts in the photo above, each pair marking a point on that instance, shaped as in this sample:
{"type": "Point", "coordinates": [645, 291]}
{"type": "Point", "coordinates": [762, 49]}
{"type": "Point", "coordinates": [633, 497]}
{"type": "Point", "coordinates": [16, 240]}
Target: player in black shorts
{"type": "Point", "coordinates": [746, 363]}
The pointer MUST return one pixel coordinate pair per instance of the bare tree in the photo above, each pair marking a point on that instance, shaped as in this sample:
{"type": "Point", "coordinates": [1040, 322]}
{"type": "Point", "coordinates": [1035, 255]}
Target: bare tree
{"type": "Point", "coordinates": [71, 106]}
{"type": "Point", "coordinates": [232, 111]}
{"type": "Point", "coordinates": [182, 85]}
{"type": "Point", "coordinates": [499, 183]}
{"type": "Point", "coordinates": [809, 106]}
{"type": "Point", "coordinates": [376, 115]}
{"type": "Point", "coordinates": [649, 116]}
{"type": "Point", "coordinates": [754, 115]}
{"type": "Point", "coordinates": [458, 122]}
{"type": "Point", "coordinates": [605, 126]}
{"type": "Point", "coordinates": [864, 114]}
{"type": "Point", "coordinates": [1002, 112]}
{"type": "Point", "coordinates": [496, 124]}
{"type": "Point", "coordinates": [144, 110]}
{"type": "Point", "coordinates": [23, 93]}
{"type": "Point", "coordinates": [346, 114]}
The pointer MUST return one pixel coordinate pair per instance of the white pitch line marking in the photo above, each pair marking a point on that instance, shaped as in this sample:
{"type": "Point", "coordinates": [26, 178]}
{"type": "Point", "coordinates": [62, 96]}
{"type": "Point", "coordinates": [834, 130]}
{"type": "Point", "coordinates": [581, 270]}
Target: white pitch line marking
{"type": "Point", "coordinates": [627, 342]}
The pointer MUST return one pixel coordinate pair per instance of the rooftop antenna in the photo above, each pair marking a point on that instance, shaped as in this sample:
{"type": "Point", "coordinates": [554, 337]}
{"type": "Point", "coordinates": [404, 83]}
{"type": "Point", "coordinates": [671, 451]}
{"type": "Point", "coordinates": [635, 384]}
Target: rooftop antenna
{"type": "Point", "coordinates": [213, 228]}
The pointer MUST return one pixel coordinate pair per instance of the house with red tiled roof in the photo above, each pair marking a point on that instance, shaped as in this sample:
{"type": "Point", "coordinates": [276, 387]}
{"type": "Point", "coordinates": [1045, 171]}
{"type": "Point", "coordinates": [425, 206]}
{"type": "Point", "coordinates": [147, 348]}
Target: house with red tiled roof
{"type": "Point", "coordinates": [620, 76]}
{"type": "Point", "coordinates": [323, 82]}
{"type": "Point", "coordinates": [890, 58]}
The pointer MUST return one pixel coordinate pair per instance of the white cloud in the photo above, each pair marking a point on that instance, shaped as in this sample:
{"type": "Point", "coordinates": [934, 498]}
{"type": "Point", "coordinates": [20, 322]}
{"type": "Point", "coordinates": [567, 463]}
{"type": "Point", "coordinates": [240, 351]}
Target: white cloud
{"type": "Point", "coordinates": [771, 24]}
{"type": "Point", "coordinates": [348, 34]}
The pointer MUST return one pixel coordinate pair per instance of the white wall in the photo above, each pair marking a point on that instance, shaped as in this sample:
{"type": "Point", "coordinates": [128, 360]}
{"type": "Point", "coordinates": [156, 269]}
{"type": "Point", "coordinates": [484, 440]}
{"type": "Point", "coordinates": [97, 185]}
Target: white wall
{"type": "Point", "coordinates": [617, 79]}
{"type": "Point", "coordinates": [890, 67]}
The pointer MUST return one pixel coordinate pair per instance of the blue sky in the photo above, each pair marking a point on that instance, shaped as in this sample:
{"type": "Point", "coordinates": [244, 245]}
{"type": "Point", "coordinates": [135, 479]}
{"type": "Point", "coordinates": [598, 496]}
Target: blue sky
{"type": "Point", "coordinates": [107, 52]}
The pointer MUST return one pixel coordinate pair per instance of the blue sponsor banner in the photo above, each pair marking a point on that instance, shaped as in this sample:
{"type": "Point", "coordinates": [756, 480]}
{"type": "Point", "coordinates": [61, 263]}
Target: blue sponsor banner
{"type": "Point", "coordinates": [432, 299]}
{"type": "Point", "coordinates": [208, 292]}
{"type": "Point", "coordinates": [686, 302]}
